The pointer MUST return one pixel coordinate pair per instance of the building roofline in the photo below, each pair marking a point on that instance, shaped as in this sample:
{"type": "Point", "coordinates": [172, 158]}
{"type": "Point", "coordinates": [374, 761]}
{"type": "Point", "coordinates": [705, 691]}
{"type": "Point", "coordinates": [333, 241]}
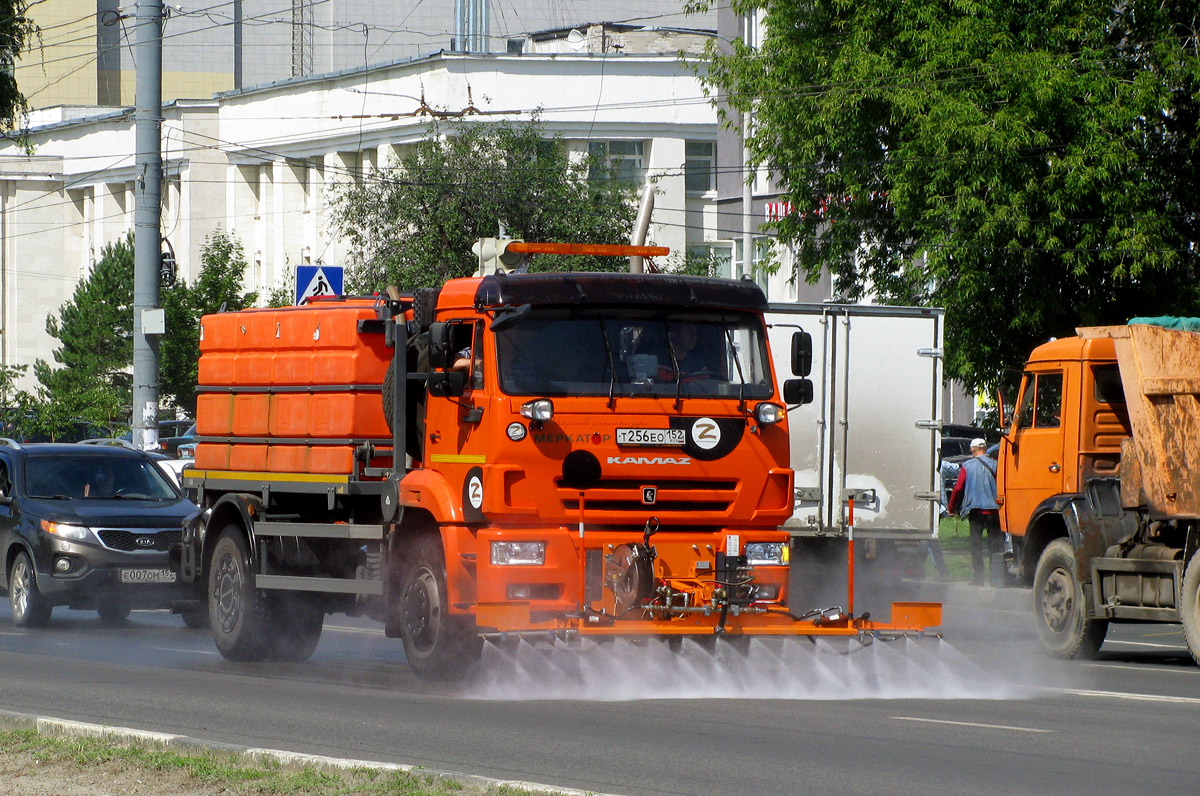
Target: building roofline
{"type": "Point", "coordinates": [444, 55]}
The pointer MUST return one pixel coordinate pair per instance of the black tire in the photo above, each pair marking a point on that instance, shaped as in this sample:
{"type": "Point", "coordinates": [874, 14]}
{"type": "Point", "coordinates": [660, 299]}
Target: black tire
{"type": "Point", "coordinates": [237, 611]}
{"type": "Point", "coordinates": [1189, 606]}
{"type": "Point", "coordinates": [1059, 608]}
{"type": "Point", "coordinates": [437, 644]}
{"type": "Point", "coordinates": [112, 610]}
{"type": "Point", "coordinates": [389, 379]}
{"type": "Point", "coordinates": [196, 619]}
{"type": "Point", "coordinates": [297, 621]}
{"type": "Point", "coordinates": [29, 608]}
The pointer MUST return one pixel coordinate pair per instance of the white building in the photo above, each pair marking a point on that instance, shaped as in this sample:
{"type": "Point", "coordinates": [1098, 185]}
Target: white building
{"type": "Point", "coordinates": [259, 163]}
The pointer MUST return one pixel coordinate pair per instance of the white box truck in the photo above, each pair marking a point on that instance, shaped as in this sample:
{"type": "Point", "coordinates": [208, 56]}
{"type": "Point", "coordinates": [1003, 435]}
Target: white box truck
{"type": "Point", "coordinates": [871, 433]}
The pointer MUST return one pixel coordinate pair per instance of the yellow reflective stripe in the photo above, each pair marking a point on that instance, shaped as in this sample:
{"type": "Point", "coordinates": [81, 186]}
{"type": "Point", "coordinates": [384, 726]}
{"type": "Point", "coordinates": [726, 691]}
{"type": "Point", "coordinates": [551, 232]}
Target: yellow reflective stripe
{"type": "Point", "coordinates": [459, 458]}
{"type": "Point", "coordinates": [239, 475]}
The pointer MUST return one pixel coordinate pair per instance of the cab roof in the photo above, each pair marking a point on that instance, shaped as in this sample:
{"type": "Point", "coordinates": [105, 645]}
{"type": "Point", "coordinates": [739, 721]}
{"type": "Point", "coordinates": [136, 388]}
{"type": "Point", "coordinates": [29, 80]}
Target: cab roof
{"type": "Point", "coordinates": [619, 289]}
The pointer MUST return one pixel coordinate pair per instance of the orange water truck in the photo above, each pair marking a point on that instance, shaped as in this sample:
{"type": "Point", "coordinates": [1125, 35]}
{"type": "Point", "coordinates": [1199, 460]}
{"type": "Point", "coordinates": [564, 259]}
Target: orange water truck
{"type": "Point", "coordinates": [513, 454]}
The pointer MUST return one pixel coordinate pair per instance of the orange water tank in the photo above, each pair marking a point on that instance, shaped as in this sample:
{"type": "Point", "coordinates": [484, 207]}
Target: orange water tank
{"type": "Point", "coordinates": [271, 380]}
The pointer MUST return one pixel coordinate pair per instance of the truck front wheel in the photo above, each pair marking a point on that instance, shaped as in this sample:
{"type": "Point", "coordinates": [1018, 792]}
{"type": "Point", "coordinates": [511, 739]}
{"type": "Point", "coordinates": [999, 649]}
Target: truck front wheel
{"type": "Point", "coordinates": [236, 609]}
{"type": "Point", "coordinates": [1059, 608]}
{"type": "Point", "coordinates": [438, 644]}
{"type": "Point", "coordinates": [1189, 606]}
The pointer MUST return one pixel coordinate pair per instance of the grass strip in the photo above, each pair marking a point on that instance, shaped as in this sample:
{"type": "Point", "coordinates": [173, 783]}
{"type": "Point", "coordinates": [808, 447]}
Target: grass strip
{"type": "Point", "coordinates": [216, 772]}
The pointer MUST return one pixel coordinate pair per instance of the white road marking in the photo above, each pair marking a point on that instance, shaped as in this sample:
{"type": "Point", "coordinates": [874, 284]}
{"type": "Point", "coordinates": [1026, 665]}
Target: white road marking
{"type": "Point", "coordinates": [972, 724]}
{"type": "Point", "coordinates": [1146, 667]}
{"type": "Point", "coordinates": [186, 651]}
{"type": "Point", "coordinates": [1148, 644]}
{"type": "Point", "coordinates": [362, 631]}
{"type": "Point", "coordinates": [1133, 697]}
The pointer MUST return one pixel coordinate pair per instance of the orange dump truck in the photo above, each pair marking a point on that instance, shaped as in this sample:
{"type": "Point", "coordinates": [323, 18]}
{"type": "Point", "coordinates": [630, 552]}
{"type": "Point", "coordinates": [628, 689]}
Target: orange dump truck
{"type": "Point", "coordinates": [1099, 478]}
{"type": "Point", "coordinates": [548, 454]}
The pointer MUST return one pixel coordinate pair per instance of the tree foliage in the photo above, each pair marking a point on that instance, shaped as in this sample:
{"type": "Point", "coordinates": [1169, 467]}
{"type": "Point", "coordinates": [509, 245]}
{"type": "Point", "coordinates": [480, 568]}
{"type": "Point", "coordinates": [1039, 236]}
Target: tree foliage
{"type": "Point", "coordinates": [412, 224]}
{"type": "Point", "coordinates": [219, 284]}
{"type": "Point", "coordinates": [94, 331]}
{"type": "Point", "coordinates": [16, 31]}
{"type": "Point", "coordinates": [1030, 166]}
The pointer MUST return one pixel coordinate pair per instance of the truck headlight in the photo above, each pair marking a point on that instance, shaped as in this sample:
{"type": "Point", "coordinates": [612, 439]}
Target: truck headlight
{"type": "Point", "coordinates": [518, 553]}
{"type": "Point", "coordinates": [768, 414]}
{"type": "Point", "coordinates": [767, 553]}
{"type": "Point", "coordinates": [539, 410]}
{"type": "Point", "coordinates": [76, 533]}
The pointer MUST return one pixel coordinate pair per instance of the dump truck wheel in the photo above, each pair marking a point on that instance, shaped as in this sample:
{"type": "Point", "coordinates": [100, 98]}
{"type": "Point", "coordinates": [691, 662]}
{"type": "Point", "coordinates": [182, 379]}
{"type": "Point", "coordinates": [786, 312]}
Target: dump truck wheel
{"type": "Point", "coordinates": [438, 644]}
{"type": "Point", "coordinates": [1059, 607]}
{"type": "Point", "coordinates": [29, 608]}
{"type": "Point", "coordinates": [298, 622]}
{"type": "Point", "coordinates": [1189, 606]}
{"type": "Point", "coordinates": [237, 611]}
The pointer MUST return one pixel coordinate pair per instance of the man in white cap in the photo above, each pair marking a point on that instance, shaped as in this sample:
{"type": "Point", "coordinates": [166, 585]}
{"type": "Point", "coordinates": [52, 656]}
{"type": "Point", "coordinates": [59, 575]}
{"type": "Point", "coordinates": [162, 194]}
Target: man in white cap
{"type": "Point", "coordinates": [974, 495]}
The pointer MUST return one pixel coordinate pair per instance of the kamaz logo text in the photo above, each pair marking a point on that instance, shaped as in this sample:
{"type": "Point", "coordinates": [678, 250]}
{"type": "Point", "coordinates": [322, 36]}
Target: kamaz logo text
{"type": "Point", "coordinates": [649, 460]}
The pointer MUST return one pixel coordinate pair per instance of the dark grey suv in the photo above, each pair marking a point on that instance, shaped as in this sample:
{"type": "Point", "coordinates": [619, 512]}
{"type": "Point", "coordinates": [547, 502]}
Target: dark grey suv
{"type": "Point", "coordinates": [87, 526]}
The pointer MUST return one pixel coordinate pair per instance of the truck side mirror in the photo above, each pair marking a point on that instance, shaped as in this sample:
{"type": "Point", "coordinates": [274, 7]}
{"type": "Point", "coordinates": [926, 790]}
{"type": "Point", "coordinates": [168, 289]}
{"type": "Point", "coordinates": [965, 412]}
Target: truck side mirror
{"type": "Point", "coordinates": [447, 383]}
{"type": "Point", "coordinates": [802, 356]}
{"type": "Point", "coordinates": [439, 346]}
{"type": "Point", "coordinates": [797, 392]}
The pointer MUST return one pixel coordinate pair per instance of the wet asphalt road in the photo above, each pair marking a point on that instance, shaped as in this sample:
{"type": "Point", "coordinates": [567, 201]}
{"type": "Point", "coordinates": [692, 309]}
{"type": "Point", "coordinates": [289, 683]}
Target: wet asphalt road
{"type": "Point", "coordinates": [1006, 719]}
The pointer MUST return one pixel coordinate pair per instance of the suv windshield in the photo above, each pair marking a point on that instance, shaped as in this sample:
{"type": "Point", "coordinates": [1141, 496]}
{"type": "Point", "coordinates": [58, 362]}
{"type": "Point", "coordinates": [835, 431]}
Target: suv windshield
{"type": "Point", "coordinates": [95, 477]}
{"type": "Point", "coordinates": [634, 351]}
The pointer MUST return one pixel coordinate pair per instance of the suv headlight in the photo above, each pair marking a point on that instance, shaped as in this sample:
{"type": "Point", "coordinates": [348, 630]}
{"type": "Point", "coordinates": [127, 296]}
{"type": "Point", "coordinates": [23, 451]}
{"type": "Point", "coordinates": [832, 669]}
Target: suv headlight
{"type": "Point", "coordinates": [76, 533]}
{"type": "Point", "coordinates": [767, 553]}
{"type": "Point", "coordinates": [518, 553]}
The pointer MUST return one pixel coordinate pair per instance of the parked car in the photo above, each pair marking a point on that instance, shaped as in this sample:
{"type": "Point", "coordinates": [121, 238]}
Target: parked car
{"type": "Point", "coordinates": [170, 444]}
{"type": "Point", "coordinates": [87, 526]}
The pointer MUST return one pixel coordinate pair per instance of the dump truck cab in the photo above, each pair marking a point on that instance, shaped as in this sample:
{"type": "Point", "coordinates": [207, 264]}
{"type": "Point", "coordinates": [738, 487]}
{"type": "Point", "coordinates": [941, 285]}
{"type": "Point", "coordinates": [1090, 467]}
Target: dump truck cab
{"type": "Point", "coordinates": [1066, 432]}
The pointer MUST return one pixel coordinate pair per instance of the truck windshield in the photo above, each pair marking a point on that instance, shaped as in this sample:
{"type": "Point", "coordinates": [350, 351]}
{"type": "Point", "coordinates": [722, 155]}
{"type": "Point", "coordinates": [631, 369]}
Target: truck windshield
{"type": "Point", "coordinates": [624, 351]}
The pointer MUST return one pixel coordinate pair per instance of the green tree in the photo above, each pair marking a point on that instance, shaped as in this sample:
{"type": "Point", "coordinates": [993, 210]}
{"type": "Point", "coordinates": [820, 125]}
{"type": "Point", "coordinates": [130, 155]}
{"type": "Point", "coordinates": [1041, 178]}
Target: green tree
{"type": "Point", "coordinates": [219, 284]}
{"type": "Point", "coordinates": [1030, 166]}
{"type": "Point", "coordinates": [412, 225]}
{"type": "Point", "coordinates": [95, 335]}
{"type": "Point", "coordinates": [16, 30]}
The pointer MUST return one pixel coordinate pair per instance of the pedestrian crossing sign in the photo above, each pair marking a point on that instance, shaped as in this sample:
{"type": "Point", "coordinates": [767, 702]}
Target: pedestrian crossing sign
{"type": "Point", "coordinates": [317, 280]}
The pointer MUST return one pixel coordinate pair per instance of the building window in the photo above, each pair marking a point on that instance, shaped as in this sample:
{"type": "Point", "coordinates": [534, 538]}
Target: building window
{"type": "Point", "coordinates": [699, 166]}
{"type": "Point", "coordinates": [616, 160]}
{"type": "Point", "coordinates": [710, 259]}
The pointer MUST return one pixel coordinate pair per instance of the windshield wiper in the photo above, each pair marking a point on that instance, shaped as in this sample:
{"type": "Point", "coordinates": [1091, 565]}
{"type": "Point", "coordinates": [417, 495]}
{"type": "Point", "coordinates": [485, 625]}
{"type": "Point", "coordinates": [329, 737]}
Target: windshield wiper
{"type": "Point", "coordinates": [51, 497]}
{"type": "Point", "coordinates": [674, 367]}
{"type": "Point", "coordinates": [612, 365]}
{"type": "Point", "coordinates": [737, 363]}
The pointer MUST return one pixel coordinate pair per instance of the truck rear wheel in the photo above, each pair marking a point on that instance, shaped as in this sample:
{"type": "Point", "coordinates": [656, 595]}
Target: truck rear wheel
{"type": "Point", "coordinates": [297, 621]}
{"type": "Point", "coordinates": [236, 609]}
{"type": "Point", "coordinates": [438, 644]}
{"type": "Point", "coordinates": [1059, 607]}
{"type": "Point", "coordinates": [1189, 606]}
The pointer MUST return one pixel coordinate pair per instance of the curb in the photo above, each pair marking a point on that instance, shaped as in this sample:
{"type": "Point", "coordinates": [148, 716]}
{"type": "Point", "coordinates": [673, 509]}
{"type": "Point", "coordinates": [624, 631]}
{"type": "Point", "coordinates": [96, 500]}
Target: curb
{"type": "Point", "coordinates": [65, 728]}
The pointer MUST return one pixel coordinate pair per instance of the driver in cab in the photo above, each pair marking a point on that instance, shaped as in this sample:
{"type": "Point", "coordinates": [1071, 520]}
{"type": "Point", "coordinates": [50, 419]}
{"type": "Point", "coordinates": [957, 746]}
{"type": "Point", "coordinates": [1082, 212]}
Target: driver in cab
{"type": "Point", "coordinates": [684, 336]}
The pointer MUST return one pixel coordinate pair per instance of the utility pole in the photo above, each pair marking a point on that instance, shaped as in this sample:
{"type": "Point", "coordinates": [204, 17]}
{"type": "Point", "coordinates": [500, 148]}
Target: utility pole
{"type": "Point", "coordinates": [747, 179]}
{"type": "Point", "coordinates": [148, 322]}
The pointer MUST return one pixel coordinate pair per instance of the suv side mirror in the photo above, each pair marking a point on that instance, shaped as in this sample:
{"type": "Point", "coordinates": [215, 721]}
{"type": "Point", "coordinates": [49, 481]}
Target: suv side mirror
{"type": "Point", "coordinates": [447, 383]}
{"type": "Point", "coordinates": [797, 392]}
{"type": "Point", "coordinates": [801, 354]}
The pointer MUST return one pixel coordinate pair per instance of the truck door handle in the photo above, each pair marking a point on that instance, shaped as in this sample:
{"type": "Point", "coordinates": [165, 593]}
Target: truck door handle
{"type": "Point", "coordinates": [1054, 468]}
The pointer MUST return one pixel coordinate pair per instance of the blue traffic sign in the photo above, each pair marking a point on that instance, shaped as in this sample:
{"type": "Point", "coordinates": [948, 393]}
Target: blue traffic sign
{"type": "Point", "coordinates": [318, 280]}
